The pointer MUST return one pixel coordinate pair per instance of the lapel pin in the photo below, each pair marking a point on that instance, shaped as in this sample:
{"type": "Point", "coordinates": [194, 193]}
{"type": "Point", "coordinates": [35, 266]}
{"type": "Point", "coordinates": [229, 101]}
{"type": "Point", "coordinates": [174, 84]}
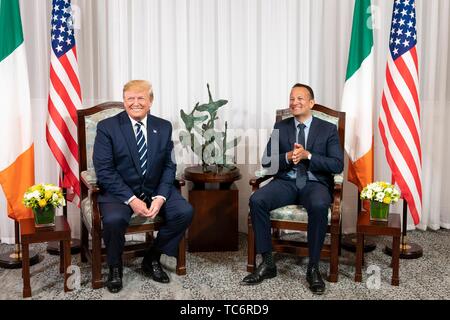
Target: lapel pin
{"type": "Point", "coordinates": [154, 131]}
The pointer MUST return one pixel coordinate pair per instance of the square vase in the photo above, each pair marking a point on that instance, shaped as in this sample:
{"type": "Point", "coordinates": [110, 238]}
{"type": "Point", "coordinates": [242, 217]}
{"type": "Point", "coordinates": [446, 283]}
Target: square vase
{"type": "Point", "coordinates": [44, 217]}
{"type": "Point", "coordinates": [379, 211]}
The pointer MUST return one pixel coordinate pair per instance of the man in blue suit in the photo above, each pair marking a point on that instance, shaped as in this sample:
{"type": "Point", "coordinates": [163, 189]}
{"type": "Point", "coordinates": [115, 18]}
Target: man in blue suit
{"type": "Point", "coordinates": [303, 153]}
{"type": "Point", "coordinates": [135, 170]}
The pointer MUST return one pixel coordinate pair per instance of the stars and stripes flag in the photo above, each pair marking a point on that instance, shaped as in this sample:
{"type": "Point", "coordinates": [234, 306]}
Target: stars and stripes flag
{"type": "Point", "coordinates": [64, 96]}
{"type": "Point", "coordinates": [399, 122]}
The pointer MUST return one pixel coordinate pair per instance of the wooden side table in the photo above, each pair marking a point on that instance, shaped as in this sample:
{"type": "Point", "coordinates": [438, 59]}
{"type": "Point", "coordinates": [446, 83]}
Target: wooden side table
{"type": "Point", "coordinates": [30, 234]}
{"type": "Point", "coordinates": [215, 223]}
{"type": "Point", "coordinates": [392, 228]}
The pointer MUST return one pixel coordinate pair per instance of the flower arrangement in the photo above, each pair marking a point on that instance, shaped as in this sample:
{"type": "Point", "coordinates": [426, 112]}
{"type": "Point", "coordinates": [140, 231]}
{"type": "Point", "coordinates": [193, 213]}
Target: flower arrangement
{"type": "Point", "coordinates": [43, 196]}
{"type": "Point", "coordinates": [380, 191]}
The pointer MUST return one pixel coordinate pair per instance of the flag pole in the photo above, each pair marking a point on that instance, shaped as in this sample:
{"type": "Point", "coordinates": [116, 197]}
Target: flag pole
{"type": "Point", "coordinates": [408, 250]}
{"type": "Point", "coordinates": [13, 260]}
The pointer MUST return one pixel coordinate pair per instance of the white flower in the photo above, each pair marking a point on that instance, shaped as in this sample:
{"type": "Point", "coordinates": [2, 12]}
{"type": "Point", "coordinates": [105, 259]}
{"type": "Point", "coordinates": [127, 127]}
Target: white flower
{"type": "Point", "coordinates": [377, 188]}
{"type": "Point", "coordinates": [378, 191]}
{"type": "Point", "coordinates": [49, 187]}
{"type": "Point", "coordinates": [380, 196]}
{"type": "Point", "coordinates": [33, 195]}
{"type": "Point", "coordinates": [37, 193]}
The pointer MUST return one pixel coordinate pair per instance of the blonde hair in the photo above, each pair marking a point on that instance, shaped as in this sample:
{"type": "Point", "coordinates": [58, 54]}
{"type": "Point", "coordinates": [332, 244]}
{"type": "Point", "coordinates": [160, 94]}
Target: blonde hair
{"type": "Point", "coordinates": [139, 85]}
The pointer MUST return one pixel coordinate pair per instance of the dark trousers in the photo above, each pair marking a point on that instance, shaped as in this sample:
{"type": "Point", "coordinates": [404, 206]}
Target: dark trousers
{"type": "Point", "coordinates": [176, 212]}
{"type": "Point", "coordinates": [315, 198]}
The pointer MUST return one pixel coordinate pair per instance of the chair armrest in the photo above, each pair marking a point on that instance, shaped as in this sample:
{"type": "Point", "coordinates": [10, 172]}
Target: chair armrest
{"type": "Point", "coordinates": [179, 181]}
{"type": "Point", "coordinates": [260, 177]}
{"type": "Point", "coordinates": [337, 198]}
{"type": "Point", "coordinates": [89, 179]}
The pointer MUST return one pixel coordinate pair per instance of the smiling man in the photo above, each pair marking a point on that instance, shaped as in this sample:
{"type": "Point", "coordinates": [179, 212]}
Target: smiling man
{"type": "Point", "coordinates": [133, 162]}
{"type": "Point", "coordinates": [307, 152]}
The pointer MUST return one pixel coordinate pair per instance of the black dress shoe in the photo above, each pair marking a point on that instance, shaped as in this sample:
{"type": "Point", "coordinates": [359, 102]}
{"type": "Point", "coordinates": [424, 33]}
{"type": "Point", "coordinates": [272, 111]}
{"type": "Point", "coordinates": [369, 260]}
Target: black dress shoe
{"type": "Point", "coordinates": [154, 270]}
{"type": "Point", "coordinates": [114, 283]}
{"type": "Point", "coordinates": [263, 271]}
{"type": "Point", "coordinates": [314, 278]}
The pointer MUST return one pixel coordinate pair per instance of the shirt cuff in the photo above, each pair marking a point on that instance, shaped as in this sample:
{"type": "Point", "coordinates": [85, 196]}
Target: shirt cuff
{"type": "Point", "coordinates": [129, 200]}
{"type": "Point", "coordinates": [161, 197]}
{"type": "Point", "coordinates": [286, 157]}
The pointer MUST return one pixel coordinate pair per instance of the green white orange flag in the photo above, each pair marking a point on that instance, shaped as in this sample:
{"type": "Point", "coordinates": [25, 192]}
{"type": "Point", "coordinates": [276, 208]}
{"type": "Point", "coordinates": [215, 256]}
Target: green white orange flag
{"type": "Point", "coordinates": [17, 151]}
{"type": "Point", "coordinates": [358, 97]}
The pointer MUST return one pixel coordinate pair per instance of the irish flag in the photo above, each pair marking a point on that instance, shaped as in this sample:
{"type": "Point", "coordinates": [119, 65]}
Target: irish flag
{"type": "Point", "coordinates": [358, 97]}
{"type": "Point", "coordinates": [17, 151]}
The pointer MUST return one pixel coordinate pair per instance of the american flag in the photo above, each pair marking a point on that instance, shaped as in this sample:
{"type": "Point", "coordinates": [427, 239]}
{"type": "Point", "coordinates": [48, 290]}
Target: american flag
{"type": "Point", "coordinates": [64, 96]}
{"type": "Point", "coordinates": [399, 121]}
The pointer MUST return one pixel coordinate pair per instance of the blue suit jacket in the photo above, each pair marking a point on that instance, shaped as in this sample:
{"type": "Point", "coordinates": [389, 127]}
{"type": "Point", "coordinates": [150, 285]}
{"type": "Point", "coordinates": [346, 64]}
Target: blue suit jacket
{"type": "Point", "coordinates": [116, 159]}
{"type": "Point", "coordinates": [323, 144]}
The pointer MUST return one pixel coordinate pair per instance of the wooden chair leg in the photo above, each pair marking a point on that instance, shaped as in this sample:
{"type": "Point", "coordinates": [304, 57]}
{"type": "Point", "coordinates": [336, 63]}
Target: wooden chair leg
{"type": "Point", "coordinates": [181, 259]}
{"type": "Point", "coordinates": [251, 260]}
{"type": "Point", "coordinates": [97, 281]}
{"type": "Point", "coordinates": [149, 237]}
{"type": "Point", "coordinates": [84, 242]}
{"type": "Point", "coordinates": [334, 258]}
{"type": "Point", "coordinates": [276, 233]}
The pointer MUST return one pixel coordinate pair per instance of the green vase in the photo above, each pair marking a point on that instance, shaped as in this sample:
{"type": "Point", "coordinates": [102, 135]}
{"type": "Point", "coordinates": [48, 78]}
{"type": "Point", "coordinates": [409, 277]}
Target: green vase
{"type": "Point", "coordinates": [44, 217]}
{"type": "Point", "coordinates": [379, 211]}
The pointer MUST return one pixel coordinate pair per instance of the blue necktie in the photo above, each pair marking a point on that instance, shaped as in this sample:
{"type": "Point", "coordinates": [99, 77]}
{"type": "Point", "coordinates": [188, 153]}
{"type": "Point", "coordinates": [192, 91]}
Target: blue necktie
{"type": "Point", "coordinates": [301, 177]}
{"type": "Point", "coordinates": [142, 147]}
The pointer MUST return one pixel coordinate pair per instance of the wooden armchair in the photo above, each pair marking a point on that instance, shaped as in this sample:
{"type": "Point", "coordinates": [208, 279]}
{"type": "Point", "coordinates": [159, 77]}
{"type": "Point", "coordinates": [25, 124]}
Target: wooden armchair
{"type": "Point", "coordinates": [295, 217]}
{"type": "Point", "coordinates": [91, 224]}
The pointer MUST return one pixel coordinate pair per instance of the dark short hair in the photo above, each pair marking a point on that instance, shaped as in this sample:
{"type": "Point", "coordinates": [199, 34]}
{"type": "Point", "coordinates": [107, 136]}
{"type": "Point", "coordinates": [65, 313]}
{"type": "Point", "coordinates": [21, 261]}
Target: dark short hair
{"type": "Point", "coordinates": [310, 90]}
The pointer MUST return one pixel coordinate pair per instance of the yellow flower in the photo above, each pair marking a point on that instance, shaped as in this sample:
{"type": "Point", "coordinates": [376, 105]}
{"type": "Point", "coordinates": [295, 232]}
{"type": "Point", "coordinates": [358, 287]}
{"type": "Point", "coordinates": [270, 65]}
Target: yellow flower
{"type": "Point", "coordinates": [48, 195]}
{"type": "Point", "coordinates": [387, 200]}
{"type": "Point", "coordinates": [42, 203]}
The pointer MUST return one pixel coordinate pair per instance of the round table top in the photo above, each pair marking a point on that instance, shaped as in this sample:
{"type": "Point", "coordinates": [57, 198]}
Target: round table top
{"type": "Point", "coordinates": [212, 174]}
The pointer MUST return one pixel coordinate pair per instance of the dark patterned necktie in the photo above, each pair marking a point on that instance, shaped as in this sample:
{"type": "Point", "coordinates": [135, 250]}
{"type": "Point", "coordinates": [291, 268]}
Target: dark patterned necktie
{"type": "Point", "coordinates": [301, 177]}
{"type": "Point", "coordinates": [142, 147]}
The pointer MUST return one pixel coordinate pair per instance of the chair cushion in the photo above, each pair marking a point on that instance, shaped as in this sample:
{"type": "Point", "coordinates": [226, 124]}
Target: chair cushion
{"type": "Point", "coordinates": [91, 130]}
{"type": "Point", "coordinates": [293, 213]}
{"type": "Point", "coordinates": [86, 211]}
